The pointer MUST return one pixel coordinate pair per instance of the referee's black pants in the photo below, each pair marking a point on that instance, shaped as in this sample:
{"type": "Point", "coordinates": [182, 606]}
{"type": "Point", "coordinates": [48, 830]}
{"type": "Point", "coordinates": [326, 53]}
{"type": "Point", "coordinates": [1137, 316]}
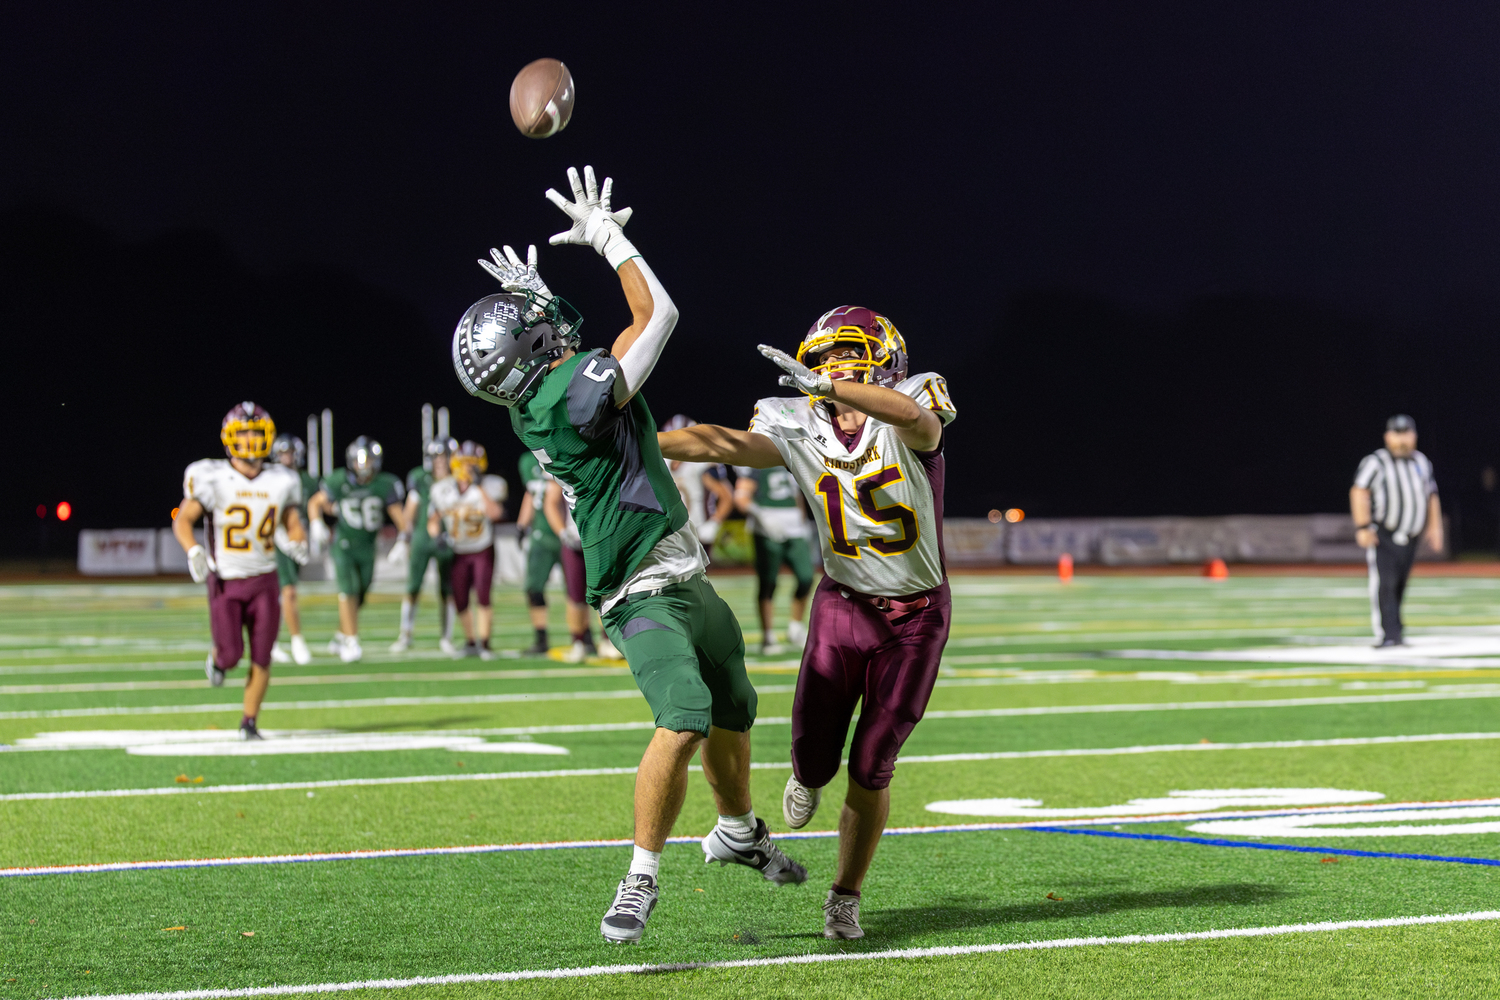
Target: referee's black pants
{"type": "Point", "coordinates": [1390, 565]}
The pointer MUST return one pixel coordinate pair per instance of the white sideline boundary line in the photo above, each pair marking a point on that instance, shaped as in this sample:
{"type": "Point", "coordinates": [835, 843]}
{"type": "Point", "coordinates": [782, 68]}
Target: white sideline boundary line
{"type": "Point", "coordinates": [946, 951]}
{"type": "Point", "coordinates": [565, 845]}
{"type": "Point", "coordinates": [594, 772]}
{"type": "Point", "coordinates": [977, 713]}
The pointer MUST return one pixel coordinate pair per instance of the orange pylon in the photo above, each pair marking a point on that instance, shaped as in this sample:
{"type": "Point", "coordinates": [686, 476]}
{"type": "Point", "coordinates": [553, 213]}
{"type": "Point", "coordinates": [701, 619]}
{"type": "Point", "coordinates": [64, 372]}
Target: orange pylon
{"type": "Point", "coordinates": [1065, 567]}
{"type": "Point", "coordinates": [1215, 569]}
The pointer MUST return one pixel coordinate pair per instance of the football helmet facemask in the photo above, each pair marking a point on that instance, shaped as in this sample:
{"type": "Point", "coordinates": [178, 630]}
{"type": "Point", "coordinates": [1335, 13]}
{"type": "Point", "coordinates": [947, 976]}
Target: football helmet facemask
{"type": "Point", "coordinates": [262, 430]}
{"type": "Point", "coordinates": [362, 459]}
{"type": "Point", "coordinates": [289, 444]}
{"type": "Point", "coordinates": [882, 357]}
{"type": "Point", "coordinates": [469, 462]}
{"type": "Point", "coordinates": [505, 343]}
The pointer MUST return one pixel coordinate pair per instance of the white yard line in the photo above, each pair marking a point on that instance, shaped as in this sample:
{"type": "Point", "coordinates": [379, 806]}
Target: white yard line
{"type": "Point", "coordinates": [284, 679]}
{"type": "Point", "coordinates": [489, 699]}
{"type": "Point", "coordinates": [947, 951]}
{"type": "Point", "coordinates": [419, 779]}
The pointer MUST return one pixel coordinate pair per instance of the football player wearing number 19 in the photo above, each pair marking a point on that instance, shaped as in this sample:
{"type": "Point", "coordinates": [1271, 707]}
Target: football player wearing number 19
{"type": "Point", "coordinates": [865, 444]}
{"type": "Point", "coordinates": [251, 509]}
{"type": "Point", "coordinates": [581, 414]}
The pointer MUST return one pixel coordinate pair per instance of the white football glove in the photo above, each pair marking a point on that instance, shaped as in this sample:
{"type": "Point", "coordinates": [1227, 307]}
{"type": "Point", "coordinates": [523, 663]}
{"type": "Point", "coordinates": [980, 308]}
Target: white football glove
{"type": "Point", "coordinates": [594, 223]}
{"type": "Point", "coordinates": [297, 552]}
{"type": "Point", "coordinates": [515, 276]}
{"type": "Point", "coordinates": [400, 552]}
{"type": "Point", "coordinates": [198, 563]}
{"type": "Point", "coordinates": [317, 536]}
{"type": "Point", "coordinates": [798, 375]}
{"type": "Point", "coordinates": [708, 531]}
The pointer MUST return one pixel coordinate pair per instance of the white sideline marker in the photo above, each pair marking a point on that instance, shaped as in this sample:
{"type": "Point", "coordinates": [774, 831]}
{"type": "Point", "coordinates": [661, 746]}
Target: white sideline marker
{"type": "Point", "coordinates": [593, 772]}
{"type": "Point", "coordinates": [947, 951]}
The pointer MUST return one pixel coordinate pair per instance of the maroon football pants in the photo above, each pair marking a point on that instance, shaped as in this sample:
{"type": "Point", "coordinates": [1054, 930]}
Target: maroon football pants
{"type": "Point", "coordinates": [253, 603]}
{"type": "Point", "coordinates": [472, 570]}
{"type": "Point", "coordinates": [855, 651]}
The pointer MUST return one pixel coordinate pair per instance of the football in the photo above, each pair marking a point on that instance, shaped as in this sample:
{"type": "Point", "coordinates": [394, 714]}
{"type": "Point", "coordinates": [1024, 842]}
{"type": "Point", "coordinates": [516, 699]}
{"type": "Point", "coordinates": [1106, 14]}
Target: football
{"type": "Point", "coordinates": [541, 98]}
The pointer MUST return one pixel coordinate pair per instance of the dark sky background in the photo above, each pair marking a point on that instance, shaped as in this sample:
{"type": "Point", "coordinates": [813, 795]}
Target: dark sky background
{"type": "Point", "coordinates": [1172, 258]}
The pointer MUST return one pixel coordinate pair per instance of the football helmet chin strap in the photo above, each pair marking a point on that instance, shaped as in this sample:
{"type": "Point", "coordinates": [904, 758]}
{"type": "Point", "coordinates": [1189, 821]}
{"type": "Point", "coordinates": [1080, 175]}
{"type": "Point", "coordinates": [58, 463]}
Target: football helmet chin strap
{"type": "Point", "coordinates": [798, 375]}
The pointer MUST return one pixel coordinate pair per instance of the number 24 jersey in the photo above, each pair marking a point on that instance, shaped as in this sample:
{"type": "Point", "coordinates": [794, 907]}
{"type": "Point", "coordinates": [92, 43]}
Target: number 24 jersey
{"type": "Point", "coordinates": [242, 513]}
{"type": "Point", "coordinates": [878, 504]}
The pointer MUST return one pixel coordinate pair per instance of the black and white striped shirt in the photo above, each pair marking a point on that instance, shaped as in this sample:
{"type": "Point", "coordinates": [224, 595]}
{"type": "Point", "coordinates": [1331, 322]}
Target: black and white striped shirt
{"type": "Point", "coordinates": [1399, 488]}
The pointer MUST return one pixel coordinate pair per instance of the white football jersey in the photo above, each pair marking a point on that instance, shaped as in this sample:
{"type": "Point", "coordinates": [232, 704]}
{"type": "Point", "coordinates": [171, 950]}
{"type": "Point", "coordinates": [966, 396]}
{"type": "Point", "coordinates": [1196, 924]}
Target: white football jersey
{"type": "Point", "coordinates": [878, 505]}
{"type": "Point", "coordinates": [689, 479]}
{"type": "Point", "coordinates": [463, 514]}
{"type": "Point", "coordinates": [240, 526]}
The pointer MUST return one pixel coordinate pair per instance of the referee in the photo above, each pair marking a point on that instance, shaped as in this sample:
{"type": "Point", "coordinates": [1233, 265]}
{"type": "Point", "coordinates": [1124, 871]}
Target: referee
{"type": "Point", "coordinates": [1393, 499]}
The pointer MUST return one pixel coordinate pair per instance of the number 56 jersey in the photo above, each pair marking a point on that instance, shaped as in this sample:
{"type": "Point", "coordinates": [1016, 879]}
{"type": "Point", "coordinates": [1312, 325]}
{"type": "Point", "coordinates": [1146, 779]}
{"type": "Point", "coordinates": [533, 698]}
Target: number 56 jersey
{"type": "Point", "coordinates": [877, 503]}
{"type": "Point", "coordinates": [242, 513]}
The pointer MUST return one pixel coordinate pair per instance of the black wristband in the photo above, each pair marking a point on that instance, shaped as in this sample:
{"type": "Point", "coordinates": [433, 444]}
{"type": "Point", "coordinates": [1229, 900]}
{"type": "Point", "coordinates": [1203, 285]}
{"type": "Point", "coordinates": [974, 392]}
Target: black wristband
{"type": "Point", "coordinates": [1362, 527]}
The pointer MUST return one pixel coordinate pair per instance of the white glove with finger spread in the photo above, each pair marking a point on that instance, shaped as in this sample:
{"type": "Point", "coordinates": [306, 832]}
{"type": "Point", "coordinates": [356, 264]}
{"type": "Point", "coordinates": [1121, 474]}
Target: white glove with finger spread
{"type": "Point", "coordinates": [798, 375]}
{"type": "Point", "coordinates": [198, 563]}
{"type": "Point", "coordinates": [594, 222]}
{"type": "Point", "coordinates": [399, 552]}
{"type": "Point", "coordinates": [317, 535]}
{"type": "Point", "coordinates": [515, 276]}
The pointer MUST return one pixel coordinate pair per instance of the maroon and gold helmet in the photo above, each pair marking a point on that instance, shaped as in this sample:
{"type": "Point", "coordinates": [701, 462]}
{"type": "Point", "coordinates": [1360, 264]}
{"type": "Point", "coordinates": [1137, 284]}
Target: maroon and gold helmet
{"type": "Point", "coordinates": [468, 462]}
{"type": "Point", "coordinates": [882, 360]}
{"type": "Point", "coordinates": [247, 417]}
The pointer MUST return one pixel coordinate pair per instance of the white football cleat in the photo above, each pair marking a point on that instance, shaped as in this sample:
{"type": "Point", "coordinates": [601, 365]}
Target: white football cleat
{"type": "Point", "coordinates": [841, 917]}
{"type": "Point", "coordinates": [625, 920]}
{"type": "Point", "coordinates": [607, 649]}
{"type": "Point", "coordinates": [279, 655]}
{"type": "Point", "coordinates": [796, 634]}
{"type": "Point", "coordinates": [351, 651]}
{"type": "Point", "coordinates": [215, 675]}
{"type": "Point", "coordinates": [445, 644]}
{"type": "Point", "coordinates": [772, 649]}
{"type": "Point", "coordinates": [576, 653]}
{"type": "Point", "coordinates": [336, 644]}
{"type": "Point", "coordinates": [758, 852]}
{"type": "Point", "coordinates": [402, 643]}
{"type": "Point", "coordinates": [301, 655]}
{"type": "Point", "coordinates": [799, 803]}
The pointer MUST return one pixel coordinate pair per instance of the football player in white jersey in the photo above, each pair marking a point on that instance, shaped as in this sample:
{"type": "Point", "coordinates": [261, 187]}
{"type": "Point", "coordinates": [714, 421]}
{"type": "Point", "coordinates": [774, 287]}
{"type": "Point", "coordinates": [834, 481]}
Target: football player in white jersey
{"type": "Point", "coordinates": [251, 509]}
{"type": "Point", "coordinates": [865, 445]}
{"type": "Point", "coordinates": [466, 508]}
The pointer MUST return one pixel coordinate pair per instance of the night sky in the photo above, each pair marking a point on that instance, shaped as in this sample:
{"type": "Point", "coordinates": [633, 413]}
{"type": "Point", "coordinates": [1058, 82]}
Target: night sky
{"type": "Point", "coordinates": [1172, 258]}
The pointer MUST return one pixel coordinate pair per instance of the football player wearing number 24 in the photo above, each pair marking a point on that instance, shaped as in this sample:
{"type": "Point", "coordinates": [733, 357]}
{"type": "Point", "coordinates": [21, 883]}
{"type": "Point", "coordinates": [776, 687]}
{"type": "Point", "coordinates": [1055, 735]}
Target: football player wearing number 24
{"type": "Point", "coordinates": [251, 507]}
{"type": "Point", "coordinates": [865, 445]}
{"type": "Point", "coordinates": [583, 417]}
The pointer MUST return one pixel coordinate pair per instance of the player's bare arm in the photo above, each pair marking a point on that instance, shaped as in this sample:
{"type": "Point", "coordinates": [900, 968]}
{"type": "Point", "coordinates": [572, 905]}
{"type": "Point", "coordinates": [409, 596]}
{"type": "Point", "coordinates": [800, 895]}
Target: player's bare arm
{"type": "Point", "coordinates": [1434, 531]}
{"type": "Point", "coordinates": [744, 493]}
{"type": "Point", "coordinates": [552, 509]}
{"type": "Point", "coordinates": [292, 521]}
{"type": "Point", "coordinates": [917, 427]}
{"type": "Point", "coordinates": [712, 443]}
{"type": "Point", "coordinates": [720, 489]}
{"type": "Point", "coordinates": [398, 517]}
{"type": "Point", "coordinates": [188, 513]}
{"type": "Point", "coordinates": [527, 513]}
{"type": "Point", "coordinates": [319, 505]}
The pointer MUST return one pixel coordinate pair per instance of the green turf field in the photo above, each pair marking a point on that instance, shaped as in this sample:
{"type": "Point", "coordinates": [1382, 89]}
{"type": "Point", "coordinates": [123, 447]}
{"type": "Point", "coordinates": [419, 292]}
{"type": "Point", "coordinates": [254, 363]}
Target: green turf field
{"type": "Point", "coordinates": [1156, 786]}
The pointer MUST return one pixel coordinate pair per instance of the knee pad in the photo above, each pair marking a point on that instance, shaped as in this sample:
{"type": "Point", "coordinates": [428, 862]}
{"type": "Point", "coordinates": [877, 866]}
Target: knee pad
{"type": "Point", "coordinates": [536, 598]}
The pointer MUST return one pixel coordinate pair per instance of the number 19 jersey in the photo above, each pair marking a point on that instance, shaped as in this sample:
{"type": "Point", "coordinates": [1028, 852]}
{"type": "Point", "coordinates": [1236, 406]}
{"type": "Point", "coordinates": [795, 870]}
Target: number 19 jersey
{"type": "Point", "coordinates": [877, 503]}
{"type": "Point", "coordinates": [242, 513]}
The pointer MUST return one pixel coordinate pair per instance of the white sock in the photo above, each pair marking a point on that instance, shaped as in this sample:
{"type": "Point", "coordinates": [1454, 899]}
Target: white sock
{"type": "Point", "coordinates": [645, 862]}
{"type": "Point", "coordinates": [408, 616]}
{"type": "Point", "coordinates": [739, 827]}
{"type": "Point", "coordinates": [339, 637]}
{"type": "Point", "coordinates": [449, 613]}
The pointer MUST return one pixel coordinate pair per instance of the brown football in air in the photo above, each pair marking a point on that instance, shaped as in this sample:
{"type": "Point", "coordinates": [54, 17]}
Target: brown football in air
{"type": "Point", "coordinates": [541, 98]}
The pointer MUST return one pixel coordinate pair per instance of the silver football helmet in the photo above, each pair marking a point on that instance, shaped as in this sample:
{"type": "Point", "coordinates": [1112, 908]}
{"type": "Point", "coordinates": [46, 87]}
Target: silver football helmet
{"type": "Point", "coordinates": [362, 459]}
{"type": "Point", "coordinates": [289, 444]}
{"type": "Point", "coordinates": [504, 344]}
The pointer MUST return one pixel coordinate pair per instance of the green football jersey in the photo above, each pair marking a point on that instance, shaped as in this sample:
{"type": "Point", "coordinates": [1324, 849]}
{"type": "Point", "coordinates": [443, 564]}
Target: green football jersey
{"type": "Point", "coordinates": [607, 460]}
{"type": "Point", "coordinates": [361, 507]}
{"type": "Point", "coordinates": [774, 487]}
{"type": "Point", "coordinates": [419, 481]}
{"type": "Point", "coordinates": [535, 481]}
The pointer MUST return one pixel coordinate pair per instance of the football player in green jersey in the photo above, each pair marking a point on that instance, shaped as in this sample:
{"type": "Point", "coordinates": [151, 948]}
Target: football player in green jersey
{"type": "Point", "coordinates": [543, 549]}
{"type": "Point", "coordinates": [772, 505]}
{"type": "Point", "coordinates": [289, 450]}
{"type": "Point", "coordinates": [581, 414]}
{"type": "Point", "coordinates": [425, 548]}
{"type": "Point", "coordinates": [362, 498]}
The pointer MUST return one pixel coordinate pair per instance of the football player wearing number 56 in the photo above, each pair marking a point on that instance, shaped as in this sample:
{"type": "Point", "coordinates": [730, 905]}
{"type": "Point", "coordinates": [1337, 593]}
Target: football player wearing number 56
{"type": "Point", "coordinates": [461, 507]}
{"type": "Point", "coordinates": [865, 444]}
{"type": "Point", "coordinates": [251, 512]}
{"type": "Point", "coordinates": [362, 497]}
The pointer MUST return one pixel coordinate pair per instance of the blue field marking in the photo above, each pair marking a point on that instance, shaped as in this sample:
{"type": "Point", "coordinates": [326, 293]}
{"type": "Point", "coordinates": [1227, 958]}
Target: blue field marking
{"type": "Point", "coordinates": [1210, 842]}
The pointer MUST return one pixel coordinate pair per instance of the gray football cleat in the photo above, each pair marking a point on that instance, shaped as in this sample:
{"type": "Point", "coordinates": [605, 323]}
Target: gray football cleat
{"type": "Point", "coordinates": [215, 675]}
{"type": "Point", "coordinates": [799, 803]}
{"type": "Point", "coordinates": [841, 917]}
{"type": "Point", "coordinates": [625, 920]}
{"type": "Point", "coordinates": [759, 853]}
